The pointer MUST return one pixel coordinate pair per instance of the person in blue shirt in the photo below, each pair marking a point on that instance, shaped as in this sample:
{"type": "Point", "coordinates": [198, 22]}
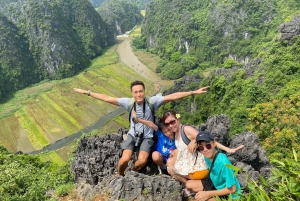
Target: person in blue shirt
{"type": "Point", "coordinates": [221, 181]}
{"type": "Point", "coordinates": [165, 143]}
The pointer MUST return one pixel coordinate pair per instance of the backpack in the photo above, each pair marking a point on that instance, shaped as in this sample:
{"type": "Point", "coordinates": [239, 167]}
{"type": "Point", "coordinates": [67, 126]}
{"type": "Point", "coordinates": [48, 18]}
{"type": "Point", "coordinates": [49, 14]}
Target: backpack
{"type": "Point", "coordinates": [185, 139]}
{"type": "Point", "coordinates": [146, 100]}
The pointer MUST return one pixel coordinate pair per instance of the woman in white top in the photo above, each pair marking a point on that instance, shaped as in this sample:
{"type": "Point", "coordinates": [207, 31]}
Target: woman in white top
{"type": "Point", "coordinates": [185, 163]}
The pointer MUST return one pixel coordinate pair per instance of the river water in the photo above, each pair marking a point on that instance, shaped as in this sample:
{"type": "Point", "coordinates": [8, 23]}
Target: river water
{"type": "Point", "coordinates": [128, 57]}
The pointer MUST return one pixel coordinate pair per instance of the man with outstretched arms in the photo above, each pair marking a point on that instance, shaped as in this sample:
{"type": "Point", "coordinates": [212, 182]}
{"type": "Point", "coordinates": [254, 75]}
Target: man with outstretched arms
{"type": "Point", "coordinates": [139, 134]}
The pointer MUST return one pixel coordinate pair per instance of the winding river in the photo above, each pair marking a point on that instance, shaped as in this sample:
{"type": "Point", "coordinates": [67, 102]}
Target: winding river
{"type": "Point", "coordinates": [128, 57]}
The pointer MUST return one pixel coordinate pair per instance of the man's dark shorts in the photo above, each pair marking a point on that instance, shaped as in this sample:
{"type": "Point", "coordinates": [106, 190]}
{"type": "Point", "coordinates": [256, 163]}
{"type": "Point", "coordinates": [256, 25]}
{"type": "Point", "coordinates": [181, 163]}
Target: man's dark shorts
{"type": "Point", "coordinates": [146, 144]}
{"type": "Point", "coordinates": [209, 186]}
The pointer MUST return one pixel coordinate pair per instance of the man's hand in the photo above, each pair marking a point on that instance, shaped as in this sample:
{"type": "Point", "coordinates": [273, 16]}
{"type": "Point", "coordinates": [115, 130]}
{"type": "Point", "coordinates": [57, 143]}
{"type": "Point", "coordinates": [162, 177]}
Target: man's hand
{"type": "Point", "coordinates": [202, 196]}
{"type": "Point", "coordinates": [192, 146]}
{"type": "Point", "coordinates": [201, 90]}
{"type": "Point", "coordinates": [80, 91]}
{"type": "Point", "coordinates": [134, 117]}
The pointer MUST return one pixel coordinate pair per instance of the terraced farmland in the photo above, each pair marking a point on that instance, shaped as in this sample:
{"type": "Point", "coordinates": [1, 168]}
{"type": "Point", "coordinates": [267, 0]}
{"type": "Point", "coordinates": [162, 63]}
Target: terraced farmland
{"type": "Point", "coordinates": [36, 120]}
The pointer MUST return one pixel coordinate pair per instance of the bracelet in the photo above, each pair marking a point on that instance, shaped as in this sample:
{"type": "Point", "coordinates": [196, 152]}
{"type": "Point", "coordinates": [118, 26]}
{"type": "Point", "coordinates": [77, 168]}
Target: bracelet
{"type": "Point", "coordinates": [192, 93]}
{"type": "Point", "coordinates": [89, 92]}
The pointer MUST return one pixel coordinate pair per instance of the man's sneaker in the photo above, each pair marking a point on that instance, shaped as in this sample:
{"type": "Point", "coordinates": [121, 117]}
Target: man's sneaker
{"type": "Point", "coordinates": [165, 171]}
{"type": "Point", "coordinates": [159, 170]}
{"type": "Point", "coordinates": [187, 193]}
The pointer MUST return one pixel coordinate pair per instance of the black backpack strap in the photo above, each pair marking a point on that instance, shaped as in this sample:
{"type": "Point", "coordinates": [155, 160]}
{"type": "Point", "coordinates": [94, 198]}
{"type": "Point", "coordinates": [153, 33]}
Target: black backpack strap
{"type": "Point", "coordinates": [185, 139]}
{"type": "Point", "coordinates": [132, 105]}
{"type": "Point", "coordinates": [212, 164]}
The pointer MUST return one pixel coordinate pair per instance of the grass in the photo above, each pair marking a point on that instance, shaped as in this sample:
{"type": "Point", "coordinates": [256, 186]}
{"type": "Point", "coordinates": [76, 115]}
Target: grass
{"type": "Point", "coordinates": [21, 96]}
{"type": "Point", "coordinates": [150, 60]}
{"type": "Point", "coordinates": [53, 157]}
{"type": "Point", "coordinates": [34, 133]}
{"type": "Point", "coordinates": [136, 32]}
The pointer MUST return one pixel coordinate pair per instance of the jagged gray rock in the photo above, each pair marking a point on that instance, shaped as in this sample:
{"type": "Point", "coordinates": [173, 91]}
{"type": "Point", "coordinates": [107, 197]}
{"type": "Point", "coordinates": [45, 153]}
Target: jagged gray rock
{"type": "Point", "coordinates": [290, 29]}
{"type": "Point", "coordinates": [219, 127]}
{"type": "Point", "coordinates": [136, 186]}
{"type": "Point", "coordinates": [97, 158]}
{"type": "Point", "coordinates": [189, 82]}
{"type": "Point", "coordinates": [249, 69]}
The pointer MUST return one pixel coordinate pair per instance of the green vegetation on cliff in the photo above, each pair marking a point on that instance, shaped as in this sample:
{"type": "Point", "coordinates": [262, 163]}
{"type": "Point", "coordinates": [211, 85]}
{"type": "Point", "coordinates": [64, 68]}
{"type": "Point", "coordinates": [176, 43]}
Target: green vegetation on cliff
{"type": "Point", "coordinates": [17, 67]}
{"type": "Point", "coordinates": [48, 40]}
{"type": "Point", "coordinates": [120, 15]}
{"type": "Point", "coordinates": [28, 178]}
{"type": "Point", "coordinates": [262, 97]}
{"type": "Point", "coordinates": [139, 3]}
{"type": "Point", "coordinates": [195, 34]}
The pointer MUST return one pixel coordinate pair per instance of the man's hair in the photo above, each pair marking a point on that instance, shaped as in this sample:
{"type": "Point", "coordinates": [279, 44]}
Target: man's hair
{"type": "Point", "coordinates": [137, 83]}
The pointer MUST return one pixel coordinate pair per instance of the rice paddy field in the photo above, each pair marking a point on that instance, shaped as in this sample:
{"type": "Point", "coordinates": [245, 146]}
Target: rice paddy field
{"type": "Point", "coordinates": [49, 111]}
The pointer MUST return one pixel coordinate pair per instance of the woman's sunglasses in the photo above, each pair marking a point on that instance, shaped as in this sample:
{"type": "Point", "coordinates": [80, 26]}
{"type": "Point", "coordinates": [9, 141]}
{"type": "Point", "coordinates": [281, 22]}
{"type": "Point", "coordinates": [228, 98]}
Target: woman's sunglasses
{"type": "Point", "coordinates": [207, 146]}
{"type": "Point", "coordinates": [170, 123]}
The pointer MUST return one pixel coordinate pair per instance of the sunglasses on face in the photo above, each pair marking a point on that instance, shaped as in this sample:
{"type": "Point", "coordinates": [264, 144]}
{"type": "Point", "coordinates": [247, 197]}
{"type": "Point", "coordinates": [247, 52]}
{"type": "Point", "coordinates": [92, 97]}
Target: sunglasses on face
{"type": "Point", "coordinates": [207, 146]}
{"type": "Point", "coordinates": [170, 123]}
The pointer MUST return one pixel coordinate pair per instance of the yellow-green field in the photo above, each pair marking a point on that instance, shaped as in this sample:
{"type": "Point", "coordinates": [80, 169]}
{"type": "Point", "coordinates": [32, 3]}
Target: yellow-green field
{"type": "Point", "coordinates": [136, 32]}
{"type": "Point", "coordinates": [150, 60]}
{"type": "Point", "coordinates": [47, 112]}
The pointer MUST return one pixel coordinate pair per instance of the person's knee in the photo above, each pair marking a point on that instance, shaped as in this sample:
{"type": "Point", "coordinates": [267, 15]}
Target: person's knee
{"type": "Point", "coordinates": [156, 156]}
{"type": "Point", "coordinates": [188, 185]}
{"type": "Point", "coordinates": [126, 157]}
{"type": "Point", "coordinates": [142, 159]}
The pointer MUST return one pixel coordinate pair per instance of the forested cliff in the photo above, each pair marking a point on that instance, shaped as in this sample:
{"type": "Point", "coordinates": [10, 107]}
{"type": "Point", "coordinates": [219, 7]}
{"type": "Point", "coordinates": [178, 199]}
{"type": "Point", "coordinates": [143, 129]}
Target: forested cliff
{"type": "Point", "coordinates": [120, 15]}
{"type": "Point", "coordinates": [50, 39]}
{"type": "Point", "coordinates": [58, 39]}
{"type": "Point", "coordinates": [252, 50]}
{"type": "Point", "coordinates": [140, 3]}
{"type": "Point", "coordinates": [210, 31]}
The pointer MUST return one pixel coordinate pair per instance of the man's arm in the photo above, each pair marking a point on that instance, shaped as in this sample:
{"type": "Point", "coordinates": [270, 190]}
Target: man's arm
{"type": "Point", "coordinates": [179, 95]}
{"type": "Point", "coordinates": [102, 97]}
{"type": "Point", "coordinates": [205, 195]}
{"type": "Point", "coordinates": [143, 121]}
{"type": "Point", "coordinates": [227, 149]}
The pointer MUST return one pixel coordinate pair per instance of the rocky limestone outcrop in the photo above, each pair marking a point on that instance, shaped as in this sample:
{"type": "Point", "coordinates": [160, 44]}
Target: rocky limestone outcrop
{"type": "Point", "coordinates": [249, 69]}
{"type": "Point", "coordinates": [96, 161]}
{"type": "Point", "coordinates": [290, 29]}
{"type": "Point", "coordinates": [189, 82]}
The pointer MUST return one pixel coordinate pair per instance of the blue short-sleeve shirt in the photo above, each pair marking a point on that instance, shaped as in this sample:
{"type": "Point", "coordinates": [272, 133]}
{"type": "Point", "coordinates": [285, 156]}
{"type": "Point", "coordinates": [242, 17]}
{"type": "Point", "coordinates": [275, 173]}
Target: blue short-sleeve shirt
{"type": "Point", "coordinates": [164, 144]}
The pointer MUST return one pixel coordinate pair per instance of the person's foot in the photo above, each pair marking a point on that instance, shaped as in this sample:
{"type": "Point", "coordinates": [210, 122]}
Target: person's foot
{"type": "Point", "coordinates": [165, 171]}
{"type": "Point", "coordinates": [187, 193]}
{"type": "Point", "coordinates": [159, 170]}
